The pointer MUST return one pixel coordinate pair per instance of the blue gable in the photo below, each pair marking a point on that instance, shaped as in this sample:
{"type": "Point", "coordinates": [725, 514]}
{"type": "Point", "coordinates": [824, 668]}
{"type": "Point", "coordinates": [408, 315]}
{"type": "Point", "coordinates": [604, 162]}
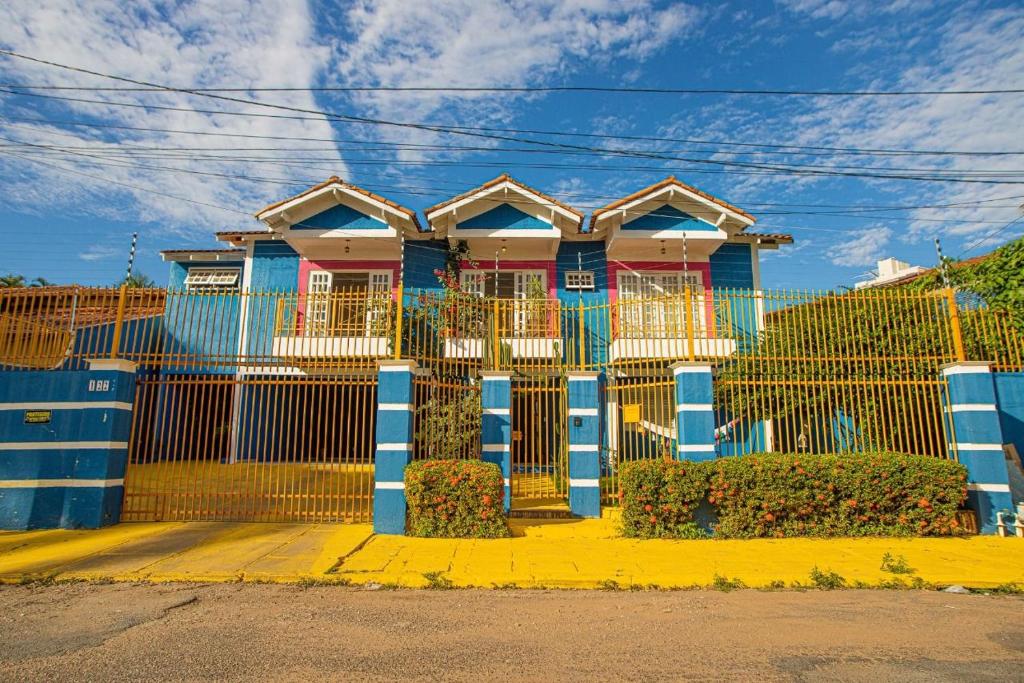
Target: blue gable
{"type": "Point", "coordinates": [667, 217]}
{"type": "Point", "coordinates": [505, 216]}
{"type": "Point", "coordinates": [340, 217]}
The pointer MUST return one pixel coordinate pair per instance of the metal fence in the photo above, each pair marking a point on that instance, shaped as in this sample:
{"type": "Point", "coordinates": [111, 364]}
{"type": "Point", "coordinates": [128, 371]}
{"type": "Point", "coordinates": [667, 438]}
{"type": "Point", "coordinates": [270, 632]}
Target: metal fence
{"type": "Point", "coordinates": [277, 375]}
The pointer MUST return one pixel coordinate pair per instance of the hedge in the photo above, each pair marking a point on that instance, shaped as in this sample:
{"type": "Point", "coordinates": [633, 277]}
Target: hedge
{"type": "Point", "coordinates": [659, 498]}
{"type": "Point", "coordinates": [778, 495]}
{"type": "Point", "coordinates": [455, 499]}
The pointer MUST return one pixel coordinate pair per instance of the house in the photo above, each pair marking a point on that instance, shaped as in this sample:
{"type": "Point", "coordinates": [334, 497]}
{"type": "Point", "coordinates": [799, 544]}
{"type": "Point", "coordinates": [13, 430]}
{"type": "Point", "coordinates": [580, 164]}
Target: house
{"type": "Point", "coordinates": [283, 328]}
{"type": "Point", "coordinates": [891, 271]}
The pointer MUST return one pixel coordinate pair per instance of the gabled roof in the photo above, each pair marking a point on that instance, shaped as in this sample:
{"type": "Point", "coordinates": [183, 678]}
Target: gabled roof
{"type": "Point", "coordinates": [503, 178]}
{"type": "Point", "coordinates": [335, 180]}
{"type": "Point", "coordinates": [651, 189]}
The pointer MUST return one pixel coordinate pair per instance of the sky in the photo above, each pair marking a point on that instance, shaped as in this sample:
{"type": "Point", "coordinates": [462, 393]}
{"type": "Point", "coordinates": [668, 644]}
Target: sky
{"type": "Point", "coordinates": [81, 170]}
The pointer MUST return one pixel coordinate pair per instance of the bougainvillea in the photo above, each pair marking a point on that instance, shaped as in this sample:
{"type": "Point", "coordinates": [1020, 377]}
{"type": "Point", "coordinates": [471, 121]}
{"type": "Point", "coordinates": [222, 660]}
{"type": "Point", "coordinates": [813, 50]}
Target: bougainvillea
{"type": "Point", "coordinates": [659, 498]}
{"type": "Point", "coordinates": [455, 499]}
{"type": "Point", "coordinates": [849, 494]}
{"type": "Point", "coordinates": [779, 495]}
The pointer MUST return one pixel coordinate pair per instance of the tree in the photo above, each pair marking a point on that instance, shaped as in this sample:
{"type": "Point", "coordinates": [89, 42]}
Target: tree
{"type": "Point", "coordinates": [12, 280]}
{"type": "Point", "coordinates": [139, 280]}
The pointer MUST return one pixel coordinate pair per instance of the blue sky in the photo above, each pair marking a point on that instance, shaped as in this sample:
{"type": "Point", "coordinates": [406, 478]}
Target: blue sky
{"type": "Point", "coordinates": [75, 193]}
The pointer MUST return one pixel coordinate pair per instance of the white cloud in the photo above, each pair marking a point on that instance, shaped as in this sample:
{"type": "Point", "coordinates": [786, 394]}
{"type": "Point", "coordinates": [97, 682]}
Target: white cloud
{"type": "Point", "coordinates": [470, 43]}
{"type": "Point", "coordinates": [98, 252]}
{"type": "Point", "coordinates": [862, 250]}
{"type": "Point", "coordinates": [225, 43]}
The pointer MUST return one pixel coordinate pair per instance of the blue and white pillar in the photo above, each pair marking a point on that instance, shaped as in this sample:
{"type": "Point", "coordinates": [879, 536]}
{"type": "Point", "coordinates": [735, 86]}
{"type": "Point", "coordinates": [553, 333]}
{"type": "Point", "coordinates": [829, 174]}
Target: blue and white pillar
{"type": "Point", "coordinates": [584, 444]}
{"type": "Point", "coordinates": [695, 414]}
{"type": "Point", "coordinates": [978, 441]}
{"type": "Point", "coordinates": [496, 430]}
{"type": "Point", "coordinates": [393, 444]}
{"type": "Point", "coordinates": [64, 446]}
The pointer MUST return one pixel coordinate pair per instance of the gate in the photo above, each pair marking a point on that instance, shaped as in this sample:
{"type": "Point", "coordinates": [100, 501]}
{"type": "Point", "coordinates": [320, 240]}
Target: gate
{"type": "Point", "coordinates": [540, 452]}
{"type": "Point", "coordinates": [207, 447]}
{"type": "Point", "coordinates": [641, 419]}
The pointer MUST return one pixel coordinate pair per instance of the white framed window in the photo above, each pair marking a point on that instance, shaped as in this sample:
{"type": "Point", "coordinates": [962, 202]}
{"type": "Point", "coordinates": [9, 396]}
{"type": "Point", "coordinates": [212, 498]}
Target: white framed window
{"type": "Point", "coordinates": [579, 280]}
{"type": "Point", "coordinates": [503, 284]}
{"type": "Point", "coordinates": [652, 305]}
{"type": "Point", "coordinates": [211, 278]}
{"type": "Point", "coordinates": [348, 302]}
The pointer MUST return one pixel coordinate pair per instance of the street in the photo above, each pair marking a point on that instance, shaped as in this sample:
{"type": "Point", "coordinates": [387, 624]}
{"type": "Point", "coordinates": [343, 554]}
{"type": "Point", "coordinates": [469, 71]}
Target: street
{"type": "Point", "coordinates": [81, 631]}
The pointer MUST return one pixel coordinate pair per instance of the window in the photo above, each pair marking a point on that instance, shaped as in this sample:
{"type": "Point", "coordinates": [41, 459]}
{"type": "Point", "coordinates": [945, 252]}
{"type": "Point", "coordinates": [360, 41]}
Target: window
{"type": "Point", "coordinates": [211, 278]}
{"type": "Point", "coordinates": [578, 280]}
{"type": "Point", "coordinates": [348, 303]}
{"type": "Point", "coordinates": [652, 304]}
{"type": "Point", "coordinates": [505, 284]}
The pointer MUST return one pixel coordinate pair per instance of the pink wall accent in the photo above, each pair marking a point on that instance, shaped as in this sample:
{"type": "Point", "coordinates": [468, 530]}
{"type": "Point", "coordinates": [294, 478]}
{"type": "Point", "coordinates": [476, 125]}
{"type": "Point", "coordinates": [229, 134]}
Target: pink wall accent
{"type": "Point", "coordinates": [547, 266]}
{"type": "Point", "coordinates": [305, 266]}
{"type": "Point", "coordinates": [668, 266]}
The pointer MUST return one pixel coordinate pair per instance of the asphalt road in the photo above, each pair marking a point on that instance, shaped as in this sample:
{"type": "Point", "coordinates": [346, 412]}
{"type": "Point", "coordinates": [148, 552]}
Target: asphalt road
{"type": "Point", "coordinates": [234, 632]}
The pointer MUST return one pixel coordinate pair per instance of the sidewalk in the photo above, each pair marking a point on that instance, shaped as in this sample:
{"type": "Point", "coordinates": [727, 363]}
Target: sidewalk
{"type": "Point", "coordinates": [555, 553]}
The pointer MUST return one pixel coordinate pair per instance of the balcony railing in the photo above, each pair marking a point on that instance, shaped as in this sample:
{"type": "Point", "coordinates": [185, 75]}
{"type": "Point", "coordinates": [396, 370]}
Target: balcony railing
{"type": "Point", "coordinates": [335, 314]}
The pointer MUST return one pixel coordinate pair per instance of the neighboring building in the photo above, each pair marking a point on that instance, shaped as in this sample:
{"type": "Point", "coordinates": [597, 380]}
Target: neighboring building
{"type": "Point", "coordinates": [892, 271]}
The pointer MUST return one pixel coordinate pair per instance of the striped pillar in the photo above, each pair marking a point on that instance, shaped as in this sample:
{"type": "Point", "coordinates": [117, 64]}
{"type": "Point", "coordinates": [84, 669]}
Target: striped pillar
{"type": "Point", "coordinates": [496, 429]}
{"type": "Point", "coordinates": [695, 415]}
{"type": "Point", "coordinates": [64, 446]}
{"type": "Point", "coordinates": [584, 444]}
{"type": "Point", "coordinates": [393, 444]}
{"type": "Point", "coordinates": [978, 439]}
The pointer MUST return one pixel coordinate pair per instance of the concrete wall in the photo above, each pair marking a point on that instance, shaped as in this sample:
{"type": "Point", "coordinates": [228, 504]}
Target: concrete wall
{"type": "Point", "coordinates": [1010, 396]}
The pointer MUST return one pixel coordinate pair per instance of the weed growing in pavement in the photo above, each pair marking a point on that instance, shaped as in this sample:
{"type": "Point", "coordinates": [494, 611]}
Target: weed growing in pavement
{"type": "Point", "coordinates": [1011, 588]}
{"type": "Point", "coordinates": [438, 581]}
{"type": "Point", "coordinates": [826, 580]}
{"type": "Point", "coordinates": [725, 584]}
{"type": "Point", "coordinates": [775, 585]}
{"type": "Point", "coordinates": [609, 585]}
{"type": "Point", "coordinates": [896, 565]}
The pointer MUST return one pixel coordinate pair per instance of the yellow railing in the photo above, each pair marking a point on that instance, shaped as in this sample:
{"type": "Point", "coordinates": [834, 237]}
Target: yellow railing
{"type": "Point", "coordinates": [335, 314]}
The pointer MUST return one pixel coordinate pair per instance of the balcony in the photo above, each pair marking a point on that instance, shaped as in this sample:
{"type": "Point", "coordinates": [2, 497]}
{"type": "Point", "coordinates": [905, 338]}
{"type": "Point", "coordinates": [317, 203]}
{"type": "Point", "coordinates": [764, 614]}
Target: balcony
{"type": "Point", "coordinates": [684, 325]}
{"type": "Point", "coordinates": [516, 328]}
{"type": "Point", "coordinates": [334, 325]}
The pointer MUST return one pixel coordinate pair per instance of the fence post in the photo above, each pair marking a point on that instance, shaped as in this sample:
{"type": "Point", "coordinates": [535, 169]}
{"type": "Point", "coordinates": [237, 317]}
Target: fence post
{"type": "Point", "coordinates": [398, 321]}
{"type": "Point", "coordinates": [495, 338]}
{"type": "Point", "coordinates": [691, 351]}
{"type": "Point", "coordinates": [978, 435]}
{"type": "Point", "coordinates": [954, 324]}
{"type": "Point", "coordinates": [496, 427]}
{"type": "Point", "coordinates": [584, 444]}
{"type": "Point", "coordinates": [393, 447]}
{"type": "Point", "coordinates": [119, 321]}
{"type": "Point", "coordinates": [695, 415]}
{"type": "Point", "coordinates": [582, 362]}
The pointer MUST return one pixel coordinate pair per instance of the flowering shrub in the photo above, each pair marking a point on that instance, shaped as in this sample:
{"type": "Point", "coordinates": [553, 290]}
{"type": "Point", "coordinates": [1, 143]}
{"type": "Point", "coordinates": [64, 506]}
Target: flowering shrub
{"type": "Point", "coordinates": [659, 498]}
{"type": "Point", "coordinates": [851, 494]}
{"type": "Point", "coordinates": [455, 499]}
{"type": "Point", "coordinates": [777, 495]}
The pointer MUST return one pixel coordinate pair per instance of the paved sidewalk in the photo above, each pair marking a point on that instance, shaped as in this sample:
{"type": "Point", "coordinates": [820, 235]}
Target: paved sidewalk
{"type": "Point", "coordinates": [556, 553]}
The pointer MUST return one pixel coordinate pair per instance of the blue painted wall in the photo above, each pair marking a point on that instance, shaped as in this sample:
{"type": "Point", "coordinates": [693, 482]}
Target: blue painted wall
{"type": "Point", "coordinates": [595, 321]}
{"type": "Point", "coordinates": [340, 217]}
{"type": "Point", "coordinates": [667, 217]}
{"type": "Point", "coordinates": [731, 266]}
{"type": "Point", "coordinates": [505, 216]}
{"type": "Point", "coordinates": [200, 326]}
{"type": "Point", "coordinates": [275, 268]}
{"type": "Point", "coordinates": [1010, 395]}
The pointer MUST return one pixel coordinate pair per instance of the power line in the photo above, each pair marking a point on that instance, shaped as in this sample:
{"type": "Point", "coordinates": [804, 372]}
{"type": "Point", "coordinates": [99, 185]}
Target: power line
{"type": "Point", "coordinates": [530, 89]}
{"type": "Point", "coordinates": [783, 170]}
{"type": "Point", "coordinates": [987, 237]}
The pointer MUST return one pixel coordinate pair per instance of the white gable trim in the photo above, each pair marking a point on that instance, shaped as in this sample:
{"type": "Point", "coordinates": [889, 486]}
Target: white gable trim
{"type": "Point", "coordinates": [280, 213]}
{"type": "Point", "coordinates": [505, 186]}
{"type": "Point", "coordinates": [671, 190]}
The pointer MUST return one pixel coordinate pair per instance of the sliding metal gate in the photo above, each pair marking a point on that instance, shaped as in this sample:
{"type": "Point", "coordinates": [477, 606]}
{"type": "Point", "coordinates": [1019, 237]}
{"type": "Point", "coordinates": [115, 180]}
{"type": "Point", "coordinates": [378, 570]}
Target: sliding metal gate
{"type": "Point", "coordinates": [272, 449]}
{"type": "Point", "coordinates": [540, 458]}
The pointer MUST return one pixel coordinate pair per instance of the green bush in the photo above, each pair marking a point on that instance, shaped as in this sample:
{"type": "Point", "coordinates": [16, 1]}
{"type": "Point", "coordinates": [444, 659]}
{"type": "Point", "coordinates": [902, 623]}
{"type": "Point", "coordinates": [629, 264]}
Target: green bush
{"type": "Point", "coordinates": [850, 494]}
{"type": "Point", "coordinates": [659, 498]}
{"type": "Point", "coordinates": [455, 499]}
{"type": "Point", "coordinates": [772, 495]}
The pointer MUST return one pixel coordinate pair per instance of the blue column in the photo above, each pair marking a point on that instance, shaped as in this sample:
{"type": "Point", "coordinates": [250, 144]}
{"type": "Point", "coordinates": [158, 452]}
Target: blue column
{"type": "Point", "coordinates": [393, 444]}
{"type": "Point", "coordinates": [64, 446]}
{"type": "Point", "coordinates": [695, 414]}
{"type": "Point", "coordinates": [584, 444]}
{"type": "Point", "coordinates": [496, 430]}
{"type": "Point", "coordinates": [978, 439]}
